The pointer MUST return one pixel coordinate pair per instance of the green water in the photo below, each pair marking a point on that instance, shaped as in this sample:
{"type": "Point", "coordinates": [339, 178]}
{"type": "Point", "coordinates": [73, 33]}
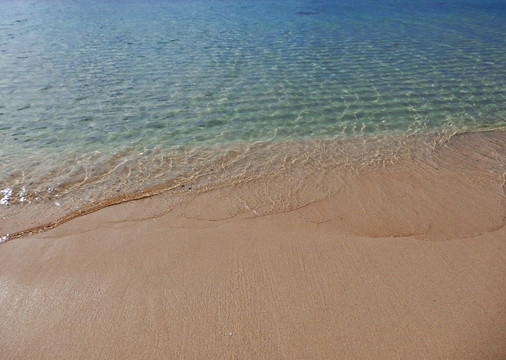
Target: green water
{"type": "Point", "coordinates": [93, 93]}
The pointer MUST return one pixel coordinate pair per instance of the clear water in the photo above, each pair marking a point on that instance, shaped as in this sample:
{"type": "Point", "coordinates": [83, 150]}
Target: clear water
{"type": "Point", "coordinates": [111, 96]}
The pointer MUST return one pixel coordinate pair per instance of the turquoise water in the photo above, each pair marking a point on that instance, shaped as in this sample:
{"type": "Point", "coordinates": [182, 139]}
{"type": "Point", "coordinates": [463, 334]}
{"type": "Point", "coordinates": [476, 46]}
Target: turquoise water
{"type": "Point", "coordinates": [96, 92]}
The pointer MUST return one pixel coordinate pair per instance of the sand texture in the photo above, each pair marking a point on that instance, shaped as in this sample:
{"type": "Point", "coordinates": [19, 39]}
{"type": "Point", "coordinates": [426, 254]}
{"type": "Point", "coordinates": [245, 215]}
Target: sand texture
{"type": "Point", "coordinates": [405, 260]}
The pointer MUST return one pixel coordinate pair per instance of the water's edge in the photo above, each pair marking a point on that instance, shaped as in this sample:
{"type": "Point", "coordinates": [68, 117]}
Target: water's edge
{"type": "Point", "coordinates": [282, 176]}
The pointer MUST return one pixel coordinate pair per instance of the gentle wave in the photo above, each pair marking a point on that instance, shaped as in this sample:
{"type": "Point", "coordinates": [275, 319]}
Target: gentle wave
{"type": "Point", "coordinates": [289, 168]}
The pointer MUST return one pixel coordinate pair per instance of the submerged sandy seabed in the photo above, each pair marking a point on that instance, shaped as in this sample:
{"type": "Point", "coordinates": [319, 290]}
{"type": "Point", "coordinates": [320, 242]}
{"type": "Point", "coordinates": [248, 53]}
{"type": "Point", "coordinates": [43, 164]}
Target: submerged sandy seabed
{"type": "Point", "coordinates": [403, 257]}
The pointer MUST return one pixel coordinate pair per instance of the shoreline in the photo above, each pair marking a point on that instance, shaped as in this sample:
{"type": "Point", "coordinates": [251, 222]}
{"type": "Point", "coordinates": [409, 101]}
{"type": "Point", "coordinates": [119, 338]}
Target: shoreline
{"type": "Point", "coordinates": [400, 259]}
{"type": "Point", "coordinates": [253, 180]}
{"type": "Point", "coordinates": [312, 170]}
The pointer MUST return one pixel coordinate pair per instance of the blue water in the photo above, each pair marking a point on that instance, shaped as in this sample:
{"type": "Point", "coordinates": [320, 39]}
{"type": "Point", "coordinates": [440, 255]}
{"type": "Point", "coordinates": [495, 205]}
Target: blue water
{"type": "Point", "coordinates": [89, 86]}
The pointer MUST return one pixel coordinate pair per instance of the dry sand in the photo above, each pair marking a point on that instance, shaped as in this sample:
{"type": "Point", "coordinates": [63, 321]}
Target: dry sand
{"type": "Point", "coordinates": [404, 261]}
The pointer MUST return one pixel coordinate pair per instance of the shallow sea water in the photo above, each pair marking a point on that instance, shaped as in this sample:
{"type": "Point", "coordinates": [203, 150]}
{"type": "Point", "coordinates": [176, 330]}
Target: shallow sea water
{"type": "Point", "coordinates": [101, 99]}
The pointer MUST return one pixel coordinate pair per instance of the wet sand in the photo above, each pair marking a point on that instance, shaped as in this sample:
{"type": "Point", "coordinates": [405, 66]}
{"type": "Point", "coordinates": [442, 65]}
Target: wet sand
{"type": "Point", "coordinates": [401, 260]}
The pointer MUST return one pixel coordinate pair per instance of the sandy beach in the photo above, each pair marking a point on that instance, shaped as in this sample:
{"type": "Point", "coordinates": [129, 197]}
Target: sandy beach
{"type": "Point", "coordinates": [295, 179]}
{"type": "Point", "coordinates": [405, 260]}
